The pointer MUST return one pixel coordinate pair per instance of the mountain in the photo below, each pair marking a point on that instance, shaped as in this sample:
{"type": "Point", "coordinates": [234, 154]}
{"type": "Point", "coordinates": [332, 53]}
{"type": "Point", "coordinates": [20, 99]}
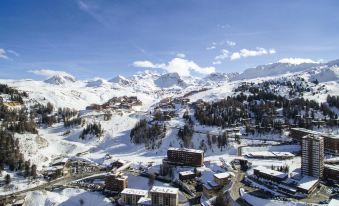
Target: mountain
{"type": "Point", "coordinates": [97, 83]}
{"type": "Point", "coordinates": [325, 74]}
{"type": "Point", "coordinates": [274, 70]}
{"type": "Point", "coordinates": [60, 79]}
{"type": "Point", "coordinates": [323, 71]}
{"type": "Point", "coordinates": [220, 77]}
{"type": "Point", "coordinates": [170, 80]}
{"type": "Point", "coordinates": [120, 80]}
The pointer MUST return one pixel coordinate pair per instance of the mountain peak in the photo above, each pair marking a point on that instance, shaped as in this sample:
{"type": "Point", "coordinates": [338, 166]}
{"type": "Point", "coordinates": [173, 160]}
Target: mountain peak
{"type": "Point", "coordinates": [60, 79]}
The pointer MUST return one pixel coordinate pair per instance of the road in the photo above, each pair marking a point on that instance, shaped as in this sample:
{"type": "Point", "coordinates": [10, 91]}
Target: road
{"type": "Point", "coordinates": [234, 190]}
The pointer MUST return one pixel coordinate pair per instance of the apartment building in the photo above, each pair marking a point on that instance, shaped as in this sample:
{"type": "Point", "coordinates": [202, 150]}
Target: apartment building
{"type": "Point", "coordinates": [116, 183]}
{"type": "Point", "coordinates": [184, 156]}
{"type": "Point", "coordinates": [312, 156]}
{"type": "Point", "coordinates": [131, 196]}
{"type": "Point", "coordinates": [164, 196]}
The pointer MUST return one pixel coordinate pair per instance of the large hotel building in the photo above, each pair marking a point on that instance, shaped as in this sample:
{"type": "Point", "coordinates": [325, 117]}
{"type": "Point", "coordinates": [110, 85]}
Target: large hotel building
{"type": "Point", "coordinates": [312, 156]}
{"type": "Point", "coordinates": [184, 156]}
{"type": "Point", "coordinates": [331, 141]}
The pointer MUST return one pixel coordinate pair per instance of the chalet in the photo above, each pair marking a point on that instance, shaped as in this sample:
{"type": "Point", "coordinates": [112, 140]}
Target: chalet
{"type": "Point", "coordinates": [58, 168]}
{"type": "Point", "coordinates": [118, 163]}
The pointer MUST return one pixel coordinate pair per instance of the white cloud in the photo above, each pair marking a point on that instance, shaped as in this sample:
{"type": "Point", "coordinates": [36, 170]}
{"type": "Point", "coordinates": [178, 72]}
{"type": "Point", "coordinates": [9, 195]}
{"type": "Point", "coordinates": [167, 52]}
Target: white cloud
{"type": "Point", "coordinates": [297, 61]}
{"type": "Point", "coordinates": [243, 53]}
{"type": "Point", "coordinates": [272, 51]}
{"type": "Point", "coordinates": [230, 43]}
{"type": "Point", "coordinates": [49, 73]}
{"type": "Point", "coordinates": [216, 62]}
{"type": "Point", "coordinates": [147, 64]}
{"type": "Point", "coordinates": [3, 54]}
{"type": "Point", "coordinates": [181, 55]}
{"type": "Point", "coordinates": [13, 52]}
{"type": "Point", "coordinates": [235, 55]}
{"type": "Point", "coordinates": [94, 11]}
{"type": "Point", "coordinates": [223, 55]}
{"type": "Point", "coordinates": [181, 66]}
{"type": "Point", "coordinates": [211, 47]}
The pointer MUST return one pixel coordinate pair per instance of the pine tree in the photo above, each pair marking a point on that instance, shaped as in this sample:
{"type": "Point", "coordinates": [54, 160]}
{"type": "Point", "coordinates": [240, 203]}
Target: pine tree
{"type": "Point", "coordinates": [7, 179]}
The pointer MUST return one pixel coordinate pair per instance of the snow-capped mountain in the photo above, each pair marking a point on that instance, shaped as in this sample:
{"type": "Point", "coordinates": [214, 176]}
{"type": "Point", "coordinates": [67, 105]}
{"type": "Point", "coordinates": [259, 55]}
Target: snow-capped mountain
{"type": "Point", "coordinates": [286, 66]}
{"type": "Point", "coordinates": [220, 77]}
{"type": "Point", "coordinates": [120, 80]}
{"type": "Point", "coordinates": [60, 79]}
{"type": "Point", "coordinates": [170, 80]}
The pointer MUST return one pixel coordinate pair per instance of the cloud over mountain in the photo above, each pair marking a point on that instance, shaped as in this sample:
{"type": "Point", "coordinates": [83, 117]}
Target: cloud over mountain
{"type": "Point", "coordinates": [178, 65]}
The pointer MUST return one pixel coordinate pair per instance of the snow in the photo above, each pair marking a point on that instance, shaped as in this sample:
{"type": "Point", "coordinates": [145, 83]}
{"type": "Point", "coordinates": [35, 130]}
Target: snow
{"type": "Point", "coordinates": [307, 182]}
{"type": "Point", "coordinates": [222, 175]}
{"type": "Point", "coordinates": [271, 172]}
{"type": "Point", "coordinates": [167, 190]}
{"type": "Point", "coordinates": [333, 202]}
{"type": "Point", "coordinates": [150, 88]}
{"type": "Point", "coordinates": [297, 61]}
{"type": "Point", "coordinates": [134, 191]}
{"type": "Point", "coordinates": [259, 201]}
{"type": "Point", "coordinates": [66, 197]}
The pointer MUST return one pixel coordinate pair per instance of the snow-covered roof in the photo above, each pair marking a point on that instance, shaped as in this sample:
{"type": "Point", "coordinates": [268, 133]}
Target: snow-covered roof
{"type": "Point", "coordinates": [145, 201]}
{"type": "Point", "coordinates": [269, 154]}
{"type": "Point", "coordinates": [168, 190]}
{"type": "Point", "coordinates": [316, 133]}
{"type": "Point", "coordinates": [271, 172]}
{"type": "Point", "coordinates": [307, 182]}
{"type": "Point", "coordinates": [121, 161]}
{"type": "Point", "coordinates": [332, 167]}
{"type": "Point", "coordinates": [131, 191]}
{"type": "Point", "coordinates": [186, 150]}
{"type": "Point", "coordinates": [186, 173]}
{"type": "Point", "coordinates": [60, 160]}
{"type": "Point", "coordinates": [222, 175]}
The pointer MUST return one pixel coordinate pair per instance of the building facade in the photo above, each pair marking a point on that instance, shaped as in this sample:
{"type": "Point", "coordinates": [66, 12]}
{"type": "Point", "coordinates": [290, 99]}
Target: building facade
{"type": "Point", "coordinates": [164, 196]}
{"type": "Point", "coordinates": [132, 196]}
{"type": "Point", "coordinates": [331, 142]}
{"type": "Point", "coordinates": [312, 156]}
{"type": "Point", "coordinates": [116, 183]}
{"type": "Point", "coordinates": [331, 172]}
{"type": "Point", "coordinates": [269, 174]}
{"type": "Point", "coordinates": [187, 157]}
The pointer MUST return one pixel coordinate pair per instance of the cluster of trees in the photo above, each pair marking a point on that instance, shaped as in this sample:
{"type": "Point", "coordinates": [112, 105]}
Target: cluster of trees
{"type": "Point", "coordinates": [285, 168]}
{"type": "Point", "coordinates": [16, 120]}
{"type": "Point", "coordinates": [44, 113]}
{"type": "Point", "coordinates": [186, 134]}
{"type": "Point", "coordinates": [150, 135]}
{"type": "Point", "coordinates": [296, 87]}
{"type": "Point", "coordinates": [14, 94]}
{"type": "Point", "coordinates": [220, 140]}
{"type": "Point", "coordinates": [92, 129]}
{"type": "Point", "coordinates": [333, 101]}
{"type": "Point", "coordinates": [222, 113]}
{"type": "Point", "coordinates": [11, 156]}
{"type": "Point", "coordinates": [73, 122]}
{"type": "Point", "coordinates": [47, 115]}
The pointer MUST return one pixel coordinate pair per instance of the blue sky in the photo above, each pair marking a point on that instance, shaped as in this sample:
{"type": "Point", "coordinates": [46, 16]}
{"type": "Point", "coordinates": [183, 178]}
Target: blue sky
{"type": "Point", "coordinates": [104, 38]}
